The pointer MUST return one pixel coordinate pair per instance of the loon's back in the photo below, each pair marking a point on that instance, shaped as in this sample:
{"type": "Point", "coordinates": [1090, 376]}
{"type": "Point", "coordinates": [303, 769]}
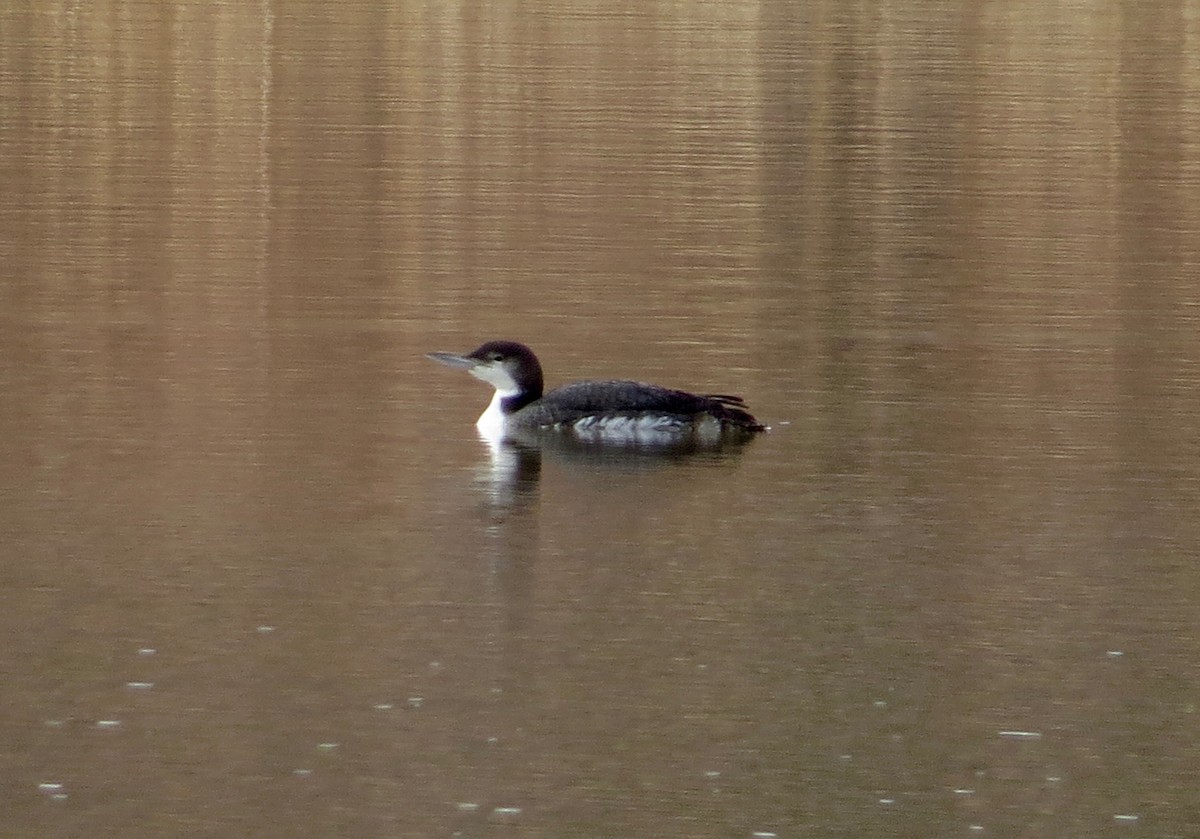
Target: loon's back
{"type": "Point", "coordinates": [596, 409]}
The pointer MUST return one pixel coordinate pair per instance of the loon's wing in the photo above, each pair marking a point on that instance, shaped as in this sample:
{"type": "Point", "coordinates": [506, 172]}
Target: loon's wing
{"type": "Point", "coordinates": [574, 401]}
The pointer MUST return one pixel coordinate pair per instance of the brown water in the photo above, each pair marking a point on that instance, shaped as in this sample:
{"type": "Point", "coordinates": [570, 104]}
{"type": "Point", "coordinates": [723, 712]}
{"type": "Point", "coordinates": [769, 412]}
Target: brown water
{"type": "Point", "coordinates": [259, 577]}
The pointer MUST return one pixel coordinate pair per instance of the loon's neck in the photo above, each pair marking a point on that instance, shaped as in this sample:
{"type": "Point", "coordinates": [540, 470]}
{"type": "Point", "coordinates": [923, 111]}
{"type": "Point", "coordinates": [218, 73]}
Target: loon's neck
{"type": "Point", "coordinates": [505, 402]}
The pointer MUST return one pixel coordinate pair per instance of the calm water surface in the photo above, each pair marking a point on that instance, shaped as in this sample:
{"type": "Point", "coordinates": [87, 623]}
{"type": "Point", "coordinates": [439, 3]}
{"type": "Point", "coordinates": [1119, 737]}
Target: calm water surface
{"type": "Point", "coordinates": [260, 578]}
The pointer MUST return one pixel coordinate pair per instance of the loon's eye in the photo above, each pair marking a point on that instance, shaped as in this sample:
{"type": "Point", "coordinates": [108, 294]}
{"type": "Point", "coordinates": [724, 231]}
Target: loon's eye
{"type": "Point", "coordinates": [494, 356]}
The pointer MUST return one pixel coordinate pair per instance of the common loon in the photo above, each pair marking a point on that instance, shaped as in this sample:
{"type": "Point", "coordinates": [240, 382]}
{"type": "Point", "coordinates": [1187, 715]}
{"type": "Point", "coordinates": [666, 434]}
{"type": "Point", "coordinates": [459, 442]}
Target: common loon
{"type": "Point", "coordinates": [599, 411]}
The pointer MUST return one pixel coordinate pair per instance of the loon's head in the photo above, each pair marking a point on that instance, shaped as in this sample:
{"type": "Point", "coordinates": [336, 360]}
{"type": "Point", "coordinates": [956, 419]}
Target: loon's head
{"type": "Point", "coordinates": [511, 368]}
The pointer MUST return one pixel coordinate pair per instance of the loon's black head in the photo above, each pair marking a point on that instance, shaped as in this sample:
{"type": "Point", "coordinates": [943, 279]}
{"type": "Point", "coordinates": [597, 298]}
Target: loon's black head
{"type": "Point", "coordinates": [511, 368]}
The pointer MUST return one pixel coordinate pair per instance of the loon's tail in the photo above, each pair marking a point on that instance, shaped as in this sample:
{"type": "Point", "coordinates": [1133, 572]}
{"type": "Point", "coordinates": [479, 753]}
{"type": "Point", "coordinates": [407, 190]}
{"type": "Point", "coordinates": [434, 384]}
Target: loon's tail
{"type": "Point", "coordinates": [733, 410]}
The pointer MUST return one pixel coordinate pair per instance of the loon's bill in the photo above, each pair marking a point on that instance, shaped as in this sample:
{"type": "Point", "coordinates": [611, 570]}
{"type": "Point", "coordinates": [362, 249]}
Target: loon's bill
{"type": "Point", "coordinates": [602, 411]}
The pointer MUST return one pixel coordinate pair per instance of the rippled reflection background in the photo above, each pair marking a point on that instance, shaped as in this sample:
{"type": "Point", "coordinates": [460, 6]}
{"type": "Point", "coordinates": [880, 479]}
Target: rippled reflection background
{"type": "Point", "coordinates": [260, 578]}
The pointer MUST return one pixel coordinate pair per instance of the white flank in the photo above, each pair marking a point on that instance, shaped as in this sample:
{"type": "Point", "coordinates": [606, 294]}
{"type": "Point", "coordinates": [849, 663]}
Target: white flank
{"type": "Point", "coordinates": [647, 428]}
